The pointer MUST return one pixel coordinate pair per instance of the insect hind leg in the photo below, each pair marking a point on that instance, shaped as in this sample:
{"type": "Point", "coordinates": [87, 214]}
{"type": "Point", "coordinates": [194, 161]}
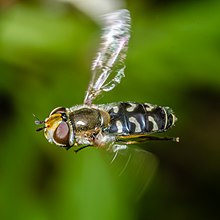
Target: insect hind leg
{"type": "Point", "coordinates": [138, 139]}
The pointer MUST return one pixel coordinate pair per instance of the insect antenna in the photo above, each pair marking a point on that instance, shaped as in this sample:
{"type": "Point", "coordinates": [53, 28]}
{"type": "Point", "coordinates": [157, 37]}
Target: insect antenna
{"type": "Point", "coordinates": [39, 122]}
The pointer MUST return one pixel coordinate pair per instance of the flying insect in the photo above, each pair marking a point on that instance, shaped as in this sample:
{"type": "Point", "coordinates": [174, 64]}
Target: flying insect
{"type": "Point", "coordinates": [112, 125]}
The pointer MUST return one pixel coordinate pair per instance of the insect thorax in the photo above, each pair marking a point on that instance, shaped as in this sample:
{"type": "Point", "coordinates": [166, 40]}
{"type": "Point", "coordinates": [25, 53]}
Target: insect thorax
{"type": "Point", "coordinates": [88, 118]}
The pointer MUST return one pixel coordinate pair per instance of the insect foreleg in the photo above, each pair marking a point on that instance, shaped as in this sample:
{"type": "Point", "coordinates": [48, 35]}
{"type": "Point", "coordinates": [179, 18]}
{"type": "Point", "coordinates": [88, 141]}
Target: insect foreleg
{"type": "Point", "coordinates": [81, 148]}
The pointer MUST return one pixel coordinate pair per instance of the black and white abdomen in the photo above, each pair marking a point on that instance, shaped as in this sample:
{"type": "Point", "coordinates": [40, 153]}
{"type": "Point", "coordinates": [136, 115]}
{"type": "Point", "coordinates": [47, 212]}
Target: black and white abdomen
{"type": "Point", "coordinates": [139, 118]}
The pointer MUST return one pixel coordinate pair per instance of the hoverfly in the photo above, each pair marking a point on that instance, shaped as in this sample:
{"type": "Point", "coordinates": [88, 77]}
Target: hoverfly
{"type": "Point", "coordinates": [115, 125]}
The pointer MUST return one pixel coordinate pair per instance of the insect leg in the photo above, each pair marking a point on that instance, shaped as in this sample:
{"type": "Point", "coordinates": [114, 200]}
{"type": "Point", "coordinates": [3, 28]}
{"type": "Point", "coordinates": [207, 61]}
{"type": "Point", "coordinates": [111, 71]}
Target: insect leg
{"type": "Point", "coordinates": [138, 139]}
{"type": "Point", "coordinates": [156, 138]}
{"type": "Point", "coordinates": [81, 148]}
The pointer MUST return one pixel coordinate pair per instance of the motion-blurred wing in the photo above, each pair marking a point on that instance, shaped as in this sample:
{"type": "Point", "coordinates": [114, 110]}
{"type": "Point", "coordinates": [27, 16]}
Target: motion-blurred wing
{"type": "Point", "coordinates": [134, 168]}
{"type": "Point", "coordinates": [108, 66]}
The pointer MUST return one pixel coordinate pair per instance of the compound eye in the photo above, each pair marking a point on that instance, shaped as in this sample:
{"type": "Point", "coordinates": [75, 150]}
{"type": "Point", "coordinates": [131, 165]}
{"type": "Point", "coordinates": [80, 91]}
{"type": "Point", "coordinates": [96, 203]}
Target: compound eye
{"type": "Point", "coordinates": [58, 110]}
{"type": "Point", "coordinates": [61, 134]}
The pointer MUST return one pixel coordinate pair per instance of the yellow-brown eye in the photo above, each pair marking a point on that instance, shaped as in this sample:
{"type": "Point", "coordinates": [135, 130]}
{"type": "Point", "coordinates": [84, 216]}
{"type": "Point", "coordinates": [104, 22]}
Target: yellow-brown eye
{"type": "Point", "coordinates": [61, 134]}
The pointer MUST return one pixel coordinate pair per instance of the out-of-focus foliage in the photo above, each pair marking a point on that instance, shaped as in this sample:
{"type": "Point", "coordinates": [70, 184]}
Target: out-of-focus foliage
{"type": "Point", "coordinates": [45, 53]}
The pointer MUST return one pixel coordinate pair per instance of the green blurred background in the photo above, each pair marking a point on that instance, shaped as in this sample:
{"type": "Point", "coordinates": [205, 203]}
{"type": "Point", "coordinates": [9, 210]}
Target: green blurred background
{"type": "Point", "coordinates": [173, 59]}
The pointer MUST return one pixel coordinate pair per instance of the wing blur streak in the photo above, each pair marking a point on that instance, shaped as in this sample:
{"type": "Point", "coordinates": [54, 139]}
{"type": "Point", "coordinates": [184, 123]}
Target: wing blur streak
{"type": "Point", "coordinates": [135, 166]}
{"type": "Point", "coordinates": [108, 66]}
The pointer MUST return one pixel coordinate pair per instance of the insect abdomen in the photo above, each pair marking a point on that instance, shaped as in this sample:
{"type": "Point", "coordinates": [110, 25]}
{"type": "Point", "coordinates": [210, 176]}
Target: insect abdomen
{"type": "Point", "coordinates": [139, 118]}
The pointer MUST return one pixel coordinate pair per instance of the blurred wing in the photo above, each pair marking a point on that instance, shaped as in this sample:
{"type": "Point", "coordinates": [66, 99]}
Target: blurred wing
{"type": "Point", "coordinates": [134, 168]}
{"type": "Point", "coordinates": [108, 66]}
